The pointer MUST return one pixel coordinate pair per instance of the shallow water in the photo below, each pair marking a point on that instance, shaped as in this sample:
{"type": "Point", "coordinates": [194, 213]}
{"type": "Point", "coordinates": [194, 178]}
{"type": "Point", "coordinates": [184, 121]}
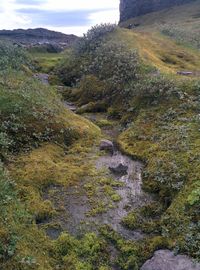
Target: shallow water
{"type": "Point", "coordinates": [76, 205]}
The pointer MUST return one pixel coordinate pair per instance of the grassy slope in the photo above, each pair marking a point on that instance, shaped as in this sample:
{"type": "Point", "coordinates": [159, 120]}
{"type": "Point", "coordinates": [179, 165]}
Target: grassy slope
{"type": "Point", "coordinates": [182, 23]}
{"type": "Point", "coordinates": [160, 51]}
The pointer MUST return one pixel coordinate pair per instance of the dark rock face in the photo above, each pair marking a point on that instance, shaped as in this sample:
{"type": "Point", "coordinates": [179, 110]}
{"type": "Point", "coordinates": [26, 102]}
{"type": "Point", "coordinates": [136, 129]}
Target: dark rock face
{"type": "Point", "coordinates": [166, 260]}
{"type": "Point", "coordinates": [134, 8]}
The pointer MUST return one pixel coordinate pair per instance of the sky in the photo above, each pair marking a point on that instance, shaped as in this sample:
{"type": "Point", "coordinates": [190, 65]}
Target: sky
{"type": "Point", "coordinates": [67, 16]}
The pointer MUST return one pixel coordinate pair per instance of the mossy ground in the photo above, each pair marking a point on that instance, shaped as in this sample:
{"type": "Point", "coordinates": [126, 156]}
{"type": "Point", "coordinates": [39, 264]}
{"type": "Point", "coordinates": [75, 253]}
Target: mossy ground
{"type": "Point", "coordinates": [166, 138]}
{"type": "Point", "coordinates": [49, 164]}
{"type": "Point", "coordinates": [45, 62]}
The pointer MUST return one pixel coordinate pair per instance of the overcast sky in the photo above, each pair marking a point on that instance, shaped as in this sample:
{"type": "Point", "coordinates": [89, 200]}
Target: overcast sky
{"type": "Point", "coordinates": [68, 16]}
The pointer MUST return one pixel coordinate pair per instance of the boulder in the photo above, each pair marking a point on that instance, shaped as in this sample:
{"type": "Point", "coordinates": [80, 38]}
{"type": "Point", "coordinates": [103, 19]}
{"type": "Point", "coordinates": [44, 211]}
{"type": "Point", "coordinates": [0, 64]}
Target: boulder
{"type": "Point", "coordinates": [166, 260]}
{"type": "Point", "coordinates": [120, 169]}
{"type": "Point", "coordinates": [106, 145]}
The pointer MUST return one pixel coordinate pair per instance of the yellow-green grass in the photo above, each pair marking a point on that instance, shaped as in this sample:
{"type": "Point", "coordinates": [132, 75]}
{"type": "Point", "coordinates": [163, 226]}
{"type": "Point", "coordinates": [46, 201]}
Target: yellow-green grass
{"type": "Point", "coordinates": [159, 51]}
{"type": "Point", "coordinates": [46, 61]}
{"type": "Point", "coordinates": [54, 163]}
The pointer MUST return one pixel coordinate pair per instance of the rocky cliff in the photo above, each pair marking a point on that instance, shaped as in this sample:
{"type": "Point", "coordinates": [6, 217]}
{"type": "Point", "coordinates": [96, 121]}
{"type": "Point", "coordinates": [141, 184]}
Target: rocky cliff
{"type": "Point", "coordinates": [134, 8]}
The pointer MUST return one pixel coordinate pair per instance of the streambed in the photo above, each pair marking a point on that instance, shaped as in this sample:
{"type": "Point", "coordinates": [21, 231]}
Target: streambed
{"type": "Point", "coordinates": [76, 211]}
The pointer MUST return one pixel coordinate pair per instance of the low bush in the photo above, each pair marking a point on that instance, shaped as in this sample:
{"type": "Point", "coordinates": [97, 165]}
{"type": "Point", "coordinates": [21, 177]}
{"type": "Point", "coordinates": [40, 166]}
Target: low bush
{"type": "Point", "coordinates": [113, 63]}
{"type": "Point", "coordinates": [29, 112]}
{"type": "Point", "coordinates": [182, 35]}
{"type": "Point", "coordinates": [13, 57]}
{"type": "Point", "coordinates": [93, 38]}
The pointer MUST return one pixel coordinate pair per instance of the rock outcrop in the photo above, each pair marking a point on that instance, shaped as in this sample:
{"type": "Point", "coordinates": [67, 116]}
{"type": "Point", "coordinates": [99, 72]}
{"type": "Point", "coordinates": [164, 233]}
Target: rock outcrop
{"type": "Point", "coordinates": [134, 8]}
{"type": "Point", "coordinates": [166, 260]}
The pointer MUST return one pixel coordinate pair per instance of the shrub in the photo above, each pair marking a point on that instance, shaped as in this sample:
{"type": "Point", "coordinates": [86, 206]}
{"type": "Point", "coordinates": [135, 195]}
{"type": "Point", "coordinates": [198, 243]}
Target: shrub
{"type": "Point", "coordinates": [93, 38]}
{"type": "Point", "coordinates": [131, 221]}
{"type": "Point", "coordinates": [29, 112]}
{"type": "Point", "coordinates": [91, 89]}
{"type": "Point", "coordinates": [182, 35]}
{"type": "Point", "coordinates": [69, 70]}
{"type": "Point", "coordinates": [12, 57]}
{"type": "Point", "coordinates": [152, 90]}
{"type": "Point", "coordinates": [113, 63]}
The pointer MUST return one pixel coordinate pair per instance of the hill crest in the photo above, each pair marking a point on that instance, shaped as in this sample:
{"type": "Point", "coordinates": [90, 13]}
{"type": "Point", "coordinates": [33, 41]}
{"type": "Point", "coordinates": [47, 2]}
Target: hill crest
{"type": "Point", "coordinates": [38, 36]}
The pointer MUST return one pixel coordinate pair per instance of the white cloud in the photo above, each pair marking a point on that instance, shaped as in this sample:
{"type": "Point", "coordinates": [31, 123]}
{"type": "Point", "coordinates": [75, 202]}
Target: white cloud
{"type": "Point", "coordinates": [78, 4]}
{"type": "Point", "coordinates": [106, 16]}
{"type": "Point", "coordinates": [9, 18]}
{"type": "Point", "coordinates": [99, 11]}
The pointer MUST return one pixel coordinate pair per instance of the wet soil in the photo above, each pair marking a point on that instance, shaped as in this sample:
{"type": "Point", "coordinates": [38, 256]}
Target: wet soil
{"type": "Point", "coordinates": [79, 213]}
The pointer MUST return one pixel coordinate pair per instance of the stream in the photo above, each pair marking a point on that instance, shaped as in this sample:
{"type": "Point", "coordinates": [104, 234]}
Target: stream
{"type": "Point", "coordinates": [76, 205]}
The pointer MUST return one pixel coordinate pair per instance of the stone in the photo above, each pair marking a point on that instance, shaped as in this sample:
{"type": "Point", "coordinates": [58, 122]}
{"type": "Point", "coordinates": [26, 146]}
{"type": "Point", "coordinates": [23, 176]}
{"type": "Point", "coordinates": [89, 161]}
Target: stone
{"type": "Point", "coordinates": [44, 78]}
{"type": "Point", "coordinates": [106, 145]}
{"type": "Point", "coordinates": [166, 260]}
{"type": "Point", "coordinates": [185, 73]}
{"type": "Point", "coordinates": [120, 169]}
{"type": "Point", "coordinates": [70, 106]}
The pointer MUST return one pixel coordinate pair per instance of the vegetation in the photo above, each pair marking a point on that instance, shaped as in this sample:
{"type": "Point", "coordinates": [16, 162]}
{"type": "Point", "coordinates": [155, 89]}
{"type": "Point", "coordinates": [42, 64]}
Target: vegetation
{"type": "Point", "coordinates": [12, 57]}
{"type": "Point", "coordinates": [44, 145]}
{"type": "Point", "coordinates": [46, 61]}
{"type": "Point", "coordinates": [32, 118]}
{"type": "Point", "coordinates": [160, 116]}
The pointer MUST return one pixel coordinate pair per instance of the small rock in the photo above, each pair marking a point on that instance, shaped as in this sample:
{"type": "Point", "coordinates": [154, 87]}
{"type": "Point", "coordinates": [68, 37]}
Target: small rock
{"type": "Point", "coordinates": [184, 73]}
{"type": "Point", "coordinates": [120, 169]}
{"type": "Point", "coordinates": [107, 146]}
{"type": "Point", "coordinates": [166, 260]}
{"type": "Point", "coordinates": [70, 106]}
{"type": "Point", "coordinates": [43, 77]}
